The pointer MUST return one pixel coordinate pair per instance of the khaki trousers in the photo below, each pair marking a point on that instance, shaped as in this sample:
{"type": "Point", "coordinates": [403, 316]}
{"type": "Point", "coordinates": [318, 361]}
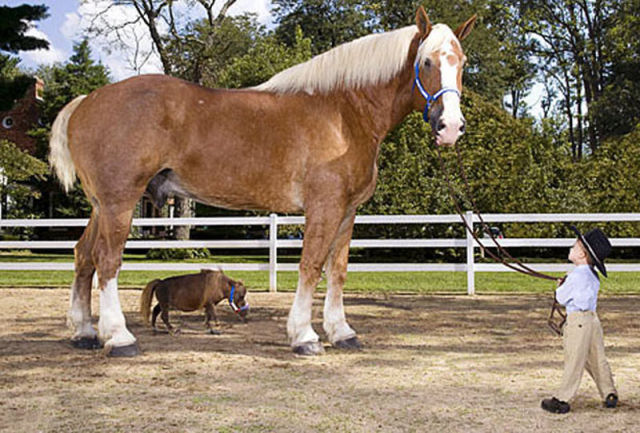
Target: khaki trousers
{"type": "Point", "coordinates": [584, 349]}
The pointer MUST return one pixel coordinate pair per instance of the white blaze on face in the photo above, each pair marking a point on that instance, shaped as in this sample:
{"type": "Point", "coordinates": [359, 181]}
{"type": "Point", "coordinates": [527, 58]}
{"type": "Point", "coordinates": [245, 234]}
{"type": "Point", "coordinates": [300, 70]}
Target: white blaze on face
{"type": "Point", "coordinates": [451, 117]}
{"type": "Point", "coordinates": [442, 42]}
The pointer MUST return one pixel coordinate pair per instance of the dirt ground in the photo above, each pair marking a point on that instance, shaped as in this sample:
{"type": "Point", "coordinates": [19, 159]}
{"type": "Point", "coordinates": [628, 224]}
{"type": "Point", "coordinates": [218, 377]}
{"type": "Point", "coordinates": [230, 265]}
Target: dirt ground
{"type": "Point", "coordinates": [430, 364]}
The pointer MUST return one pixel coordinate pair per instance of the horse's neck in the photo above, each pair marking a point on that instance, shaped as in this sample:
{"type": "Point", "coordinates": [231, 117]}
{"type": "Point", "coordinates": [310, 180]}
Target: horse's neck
{"type": "Point", "coordinates": [383, 106]}
{"type": "Point", "coordinates": [225, 290]}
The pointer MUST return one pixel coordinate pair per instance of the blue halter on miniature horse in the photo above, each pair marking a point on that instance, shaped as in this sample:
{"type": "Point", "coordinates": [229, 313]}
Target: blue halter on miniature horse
{"type": "Point", "coordinates": [233, 305]}
{"type": "Point", "coordinates": [429, 98]}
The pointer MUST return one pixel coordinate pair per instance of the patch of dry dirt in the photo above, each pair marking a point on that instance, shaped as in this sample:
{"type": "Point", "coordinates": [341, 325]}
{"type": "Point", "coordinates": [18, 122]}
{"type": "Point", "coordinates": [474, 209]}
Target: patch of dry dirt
{"type": "Point", "coordinates": [430, 364]}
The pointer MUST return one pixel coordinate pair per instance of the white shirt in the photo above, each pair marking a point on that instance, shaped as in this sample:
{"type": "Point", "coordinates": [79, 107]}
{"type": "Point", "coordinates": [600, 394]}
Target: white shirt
{"type": "Point", "coordinates": [579, 292]}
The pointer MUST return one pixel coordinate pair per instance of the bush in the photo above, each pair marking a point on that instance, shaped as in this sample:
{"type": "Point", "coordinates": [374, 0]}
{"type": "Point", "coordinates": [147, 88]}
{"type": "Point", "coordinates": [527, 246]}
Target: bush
{"type": "Point", "coordinates": [179, 253]}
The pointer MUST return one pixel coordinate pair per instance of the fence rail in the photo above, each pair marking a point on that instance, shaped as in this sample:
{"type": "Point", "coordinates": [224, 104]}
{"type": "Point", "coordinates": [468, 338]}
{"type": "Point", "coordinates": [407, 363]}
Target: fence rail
{"type": "Point", "coordinates": [273, 243]}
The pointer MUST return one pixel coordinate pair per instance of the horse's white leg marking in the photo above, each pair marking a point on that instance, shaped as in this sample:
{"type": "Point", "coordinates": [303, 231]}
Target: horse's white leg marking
{"type": "Point", "coordinates": [335, 323]}
{"type": "Point", "coordinates": [111, 326]}
{"type": "Point", "coordinates": [79, 317]}
{"type": "Point", "coordinates": [299, 324]}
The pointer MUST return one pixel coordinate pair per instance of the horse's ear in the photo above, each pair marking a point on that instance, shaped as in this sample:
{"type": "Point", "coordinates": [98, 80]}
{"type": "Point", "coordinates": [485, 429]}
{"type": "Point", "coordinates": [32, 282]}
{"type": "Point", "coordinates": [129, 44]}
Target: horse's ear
{"type": "Point", "coordinates": [423, 23]}
{"type": "Point", "coordinates": [465, 28]}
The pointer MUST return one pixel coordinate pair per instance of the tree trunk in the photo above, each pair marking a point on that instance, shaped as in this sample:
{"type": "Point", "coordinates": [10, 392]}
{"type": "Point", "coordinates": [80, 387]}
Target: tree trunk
{"type": "Point", "coordinates": [182, 210]}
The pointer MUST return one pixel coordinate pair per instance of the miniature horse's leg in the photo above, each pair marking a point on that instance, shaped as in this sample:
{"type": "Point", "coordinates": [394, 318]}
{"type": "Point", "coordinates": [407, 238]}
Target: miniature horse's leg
{"type": "Point", "coordinates": [323, 218]}
{"type": "Point", "coordinates": [79, 317]}
{"type": "Point", "coordinates": [210, 313]}
{"type": "Point", "coordinates": [156, 310]}
{"type": "Point", "coordinates": [165, 319]}
{"type": "Point", "coordinates": [340, 334]}
{"type": "Point", "coordinates": [114, 223]}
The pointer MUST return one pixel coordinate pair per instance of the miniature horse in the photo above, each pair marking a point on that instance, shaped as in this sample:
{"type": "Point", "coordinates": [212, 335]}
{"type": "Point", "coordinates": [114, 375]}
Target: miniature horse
{"type": "Point", "coordinates": [193, 292]}
{"type": "Point", "coordinates": [305, 141]}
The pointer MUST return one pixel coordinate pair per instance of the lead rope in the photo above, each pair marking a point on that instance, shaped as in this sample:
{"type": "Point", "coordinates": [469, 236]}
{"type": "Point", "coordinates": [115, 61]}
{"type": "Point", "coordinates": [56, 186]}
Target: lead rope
{"type": "Point", "coordinates": [556, 327]}
{"type": "Point", "coordinates": [487, 230]}
{"type": "Point", "coordinates": [475, 237]}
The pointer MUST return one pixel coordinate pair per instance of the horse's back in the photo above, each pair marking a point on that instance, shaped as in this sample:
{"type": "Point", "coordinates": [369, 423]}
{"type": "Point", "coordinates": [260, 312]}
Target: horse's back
{"type": "Point", "coordinates": [184, 292]}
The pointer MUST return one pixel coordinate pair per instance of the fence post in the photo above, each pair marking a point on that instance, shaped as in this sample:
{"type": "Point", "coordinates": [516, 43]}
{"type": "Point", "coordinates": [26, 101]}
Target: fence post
{"type": "Point", "coordinates": [273, 252]}
{"type": "Point", "coordinates": [471, 284]}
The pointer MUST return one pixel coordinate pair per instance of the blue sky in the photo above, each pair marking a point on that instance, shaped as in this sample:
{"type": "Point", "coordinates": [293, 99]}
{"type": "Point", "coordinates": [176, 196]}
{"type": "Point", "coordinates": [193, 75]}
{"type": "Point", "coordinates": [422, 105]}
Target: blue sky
{"type": "Point", "coordinates": [51, 27]}
{"type": "Point", "coordinates": [65, 23]}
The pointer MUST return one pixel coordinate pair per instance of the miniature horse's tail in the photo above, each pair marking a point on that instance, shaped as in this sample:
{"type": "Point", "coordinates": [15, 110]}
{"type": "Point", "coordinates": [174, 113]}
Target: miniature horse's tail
{"type": "Point", "coordinates": [59, 155]}
{"type": "Point", "coordinates": [145, 300]}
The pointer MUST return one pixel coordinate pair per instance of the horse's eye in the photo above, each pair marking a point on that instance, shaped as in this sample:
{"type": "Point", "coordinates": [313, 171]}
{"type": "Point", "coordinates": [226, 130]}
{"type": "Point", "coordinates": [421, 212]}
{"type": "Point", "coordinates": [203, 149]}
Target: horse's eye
{"type": "Point", "coordinates": [427, 63]}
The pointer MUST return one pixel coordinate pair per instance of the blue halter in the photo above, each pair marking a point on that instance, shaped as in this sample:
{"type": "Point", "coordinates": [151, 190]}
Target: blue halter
{"type": "Point", "coordinates": [232, 303]}
{"type": "Point", "coordinates": [430, 99]}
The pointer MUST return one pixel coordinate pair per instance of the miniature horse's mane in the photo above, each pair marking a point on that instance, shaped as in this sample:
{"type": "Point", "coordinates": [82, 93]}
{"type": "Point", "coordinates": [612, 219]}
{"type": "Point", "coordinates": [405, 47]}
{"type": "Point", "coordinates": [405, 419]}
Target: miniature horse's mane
{"type": "Point", "coordinates": [366, 61]}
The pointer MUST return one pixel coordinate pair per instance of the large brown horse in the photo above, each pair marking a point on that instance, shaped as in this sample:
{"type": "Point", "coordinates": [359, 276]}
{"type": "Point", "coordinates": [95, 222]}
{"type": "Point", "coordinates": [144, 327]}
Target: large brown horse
{"type": "Point", "coordinates": [304, 141]}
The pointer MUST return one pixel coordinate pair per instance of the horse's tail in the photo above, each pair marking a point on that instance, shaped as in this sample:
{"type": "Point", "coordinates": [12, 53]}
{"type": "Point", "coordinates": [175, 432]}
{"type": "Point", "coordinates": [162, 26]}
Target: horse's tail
{"type": "Point", "coordinates": [145, 300]}
{"type": "Point", "coordinates": [59, 155]}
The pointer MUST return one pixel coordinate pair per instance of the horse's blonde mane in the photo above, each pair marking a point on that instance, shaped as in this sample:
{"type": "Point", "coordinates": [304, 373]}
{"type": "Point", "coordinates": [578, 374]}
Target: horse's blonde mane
{"type": "Point", "coordinates": [366, 61]}
{"type": "Point", "coordinates": [440, 35]}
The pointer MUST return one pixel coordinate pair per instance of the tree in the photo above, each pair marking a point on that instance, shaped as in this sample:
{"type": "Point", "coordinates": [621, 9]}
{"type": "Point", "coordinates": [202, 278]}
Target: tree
{"type": "Point", "coordinates": [617, 111]}
{"type": "Point", "coordinates": [511, 167]}
{"type": "Point", "coordinates": [571, 43]}
{"type": "Point", "coordinates": [79, 76]}
{"type": "Point", "coordinates": [201, 51]}
{"type": "Point", "coordinates": [17, 167]}
{"type": "Point", "coordinates": [266, 59]}
{"type": "Point", "coordinates": [14, 22]}
{"type": "Point", "coordinates": [13, 83]}
{"type": "Point", "coordinates": [327, 23]}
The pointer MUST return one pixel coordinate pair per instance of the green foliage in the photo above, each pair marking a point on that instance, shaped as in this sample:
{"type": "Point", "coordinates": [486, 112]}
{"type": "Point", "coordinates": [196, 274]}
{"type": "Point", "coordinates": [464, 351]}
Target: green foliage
{"type": "Point", "coordinates": [511, 167]}
{"type": "Point", "coordinates": [17, 168]}
{"type": "Point", "coordinates": [609, 181]}
{"type": "Point", "coordinates": [13, 83]}
{"type": "Point", "coordinates": [617, 110]}
{"type": "Point", "coordinates": [327, 23]}
{"type": "Point", "coordinates": [79, 76]}
{"type": "Point", "coordinates": [266, 59]}
{"type": "Point", "coordinates": [201, 51]}
{"type": "Point", "coordinates": [14, 23]}
{"type": "Point", "coordinates": [178, 253]}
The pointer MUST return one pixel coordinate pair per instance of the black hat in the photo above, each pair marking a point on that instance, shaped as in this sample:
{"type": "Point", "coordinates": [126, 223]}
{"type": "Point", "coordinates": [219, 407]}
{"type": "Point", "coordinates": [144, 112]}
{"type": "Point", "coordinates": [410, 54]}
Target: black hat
{"type": "Point", "coordinates": [597, 245]}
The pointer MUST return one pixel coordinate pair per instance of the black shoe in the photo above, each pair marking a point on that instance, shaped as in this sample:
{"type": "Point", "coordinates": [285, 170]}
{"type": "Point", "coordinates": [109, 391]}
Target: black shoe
{"type": "Point", "coordinates": [554, 405]}
{"type": "Point", "coordinates": [611, 401]}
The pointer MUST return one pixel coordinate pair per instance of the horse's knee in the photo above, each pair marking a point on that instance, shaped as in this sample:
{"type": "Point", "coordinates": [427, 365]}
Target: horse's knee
{"type": "Point", "coordinates": [310, 273]}
{"type": "Point", "coordinates": [336, 279]}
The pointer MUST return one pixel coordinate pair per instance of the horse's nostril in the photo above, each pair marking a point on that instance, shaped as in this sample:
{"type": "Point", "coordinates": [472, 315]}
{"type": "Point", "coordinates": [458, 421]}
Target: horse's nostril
{"type": "Point", "coordinates": [463, 128]}
{"type": "Point", "coordinates": [441, 125]}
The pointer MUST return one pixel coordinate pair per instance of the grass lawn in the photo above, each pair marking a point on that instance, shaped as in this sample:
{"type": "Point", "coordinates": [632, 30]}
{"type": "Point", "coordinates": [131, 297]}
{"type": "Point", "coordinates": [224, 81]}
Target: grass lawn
{"type": "Point", "coordinates": [399, 282]}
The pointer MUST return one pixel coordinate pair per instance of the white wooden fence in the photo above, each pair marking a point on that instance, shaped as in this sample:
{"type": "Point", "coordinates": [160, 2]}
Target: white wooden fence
{"type": "Point", "coordinates": [273, 243]}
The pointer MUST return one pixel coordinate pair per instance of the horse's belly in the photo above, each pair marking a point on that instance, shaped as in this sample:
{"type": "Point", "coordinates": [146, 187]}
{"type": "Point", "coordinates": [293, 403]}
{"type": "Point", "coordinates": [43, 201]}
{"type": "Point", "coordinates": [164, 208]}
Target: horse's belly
{"type": "Point", "coordinates": [222, 191]}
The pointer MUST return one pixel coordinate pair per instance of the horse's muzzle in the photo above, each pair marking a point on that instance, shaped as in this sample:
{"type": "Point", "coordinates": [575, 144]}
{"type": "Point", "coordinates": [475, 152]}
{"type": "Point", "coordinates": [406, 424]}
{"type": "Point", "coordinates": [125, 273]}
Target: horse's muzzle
{"type": "Point", "coordinates": [447, 132]}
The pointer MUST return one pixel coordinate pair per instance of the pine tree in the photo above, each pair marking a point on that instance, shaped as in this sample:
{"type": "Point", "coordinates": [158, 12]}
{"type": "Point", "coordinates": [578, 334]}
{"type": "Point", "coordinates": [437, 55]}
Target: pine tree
{"type": "Point", "coordinates": [14, 22]}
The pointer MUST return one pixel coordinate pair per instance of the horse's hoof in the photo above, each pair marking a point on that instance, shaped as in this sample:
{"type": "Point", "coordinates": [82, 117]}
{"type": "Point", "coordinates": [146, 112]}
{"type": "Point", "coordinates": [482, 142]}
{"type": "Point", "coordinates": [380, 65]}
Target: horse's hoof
{"type": "Point", "coordinates": [90, 343]}
{"type": "Point", "coordinates": [214, 332]}
{"type": "Point", "coordinates": [127, 351]}
{"type": "Point", "coordinates": [175, 332]}
{"type": "Point", "coordinates": [352, 343]}
{"type": "Point", "coordinates": [313, 348]}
